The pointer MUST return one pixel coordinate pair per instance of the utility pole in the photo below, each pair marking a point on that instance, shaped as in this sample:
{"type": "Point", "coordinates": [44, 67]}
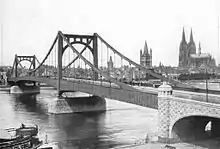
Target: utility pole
{"type": "Point", "coordinates": [206, 84]}
{"type": "Point", "coordinates": [218, 26]}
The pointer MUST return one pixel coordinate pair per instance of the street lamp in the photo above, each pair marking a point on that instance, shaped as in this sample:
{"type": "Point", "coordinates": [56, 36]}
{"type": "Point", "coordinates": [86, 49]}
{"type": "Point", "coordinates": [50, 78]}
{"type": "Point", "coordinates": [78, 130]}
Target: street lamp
{"type": "Point", "coordinates": [206, 82]}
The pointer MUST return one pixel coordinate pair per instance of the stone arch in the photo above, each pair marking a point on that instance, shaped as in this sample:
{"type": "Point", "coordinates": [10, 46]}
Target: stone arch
{"type": "Point", "coordinates": [188, 115]}
{"type": "Point", "coordinates": [186, 123]}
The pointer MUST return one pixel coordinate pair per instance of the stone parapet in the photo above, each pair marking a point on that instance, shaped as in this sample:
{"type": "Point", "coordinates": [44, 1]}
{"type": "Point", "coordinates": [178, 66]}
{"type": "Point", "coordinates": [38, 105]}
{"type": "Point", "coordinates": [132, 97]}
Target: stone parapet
{"type": "Point", "coordinates": [177, 115]}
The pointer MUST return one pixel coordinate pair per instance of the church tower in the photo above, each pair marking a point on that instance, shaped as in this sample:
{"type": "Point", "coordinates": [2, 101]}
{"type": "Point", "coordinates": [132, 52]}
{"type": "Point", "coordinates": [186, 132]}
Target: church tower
{"type": "Point", "coordinates": [183, 52]}
{"type": "Point", "coordinates": [146, 57]}
{"type": "Point", "coordinates": [191, 45]}
{"type": "Point", "coordinates": [110, 63]}
{"type": "Point", "coordinates": [188, 56]}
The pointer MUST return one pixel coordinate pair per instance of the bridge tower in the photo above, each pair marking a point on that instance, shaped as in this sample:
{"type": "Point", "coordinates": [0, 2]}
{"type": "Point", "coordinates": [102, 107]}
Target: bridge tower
{"type": "Point", "coordinates": [19, 70]}
{"type": "Point", "coordinates": [164, 94]}
{"type": "Point", "coordinates": [19, 59]}
{"type": "Point", "coordinates": [89, 41]}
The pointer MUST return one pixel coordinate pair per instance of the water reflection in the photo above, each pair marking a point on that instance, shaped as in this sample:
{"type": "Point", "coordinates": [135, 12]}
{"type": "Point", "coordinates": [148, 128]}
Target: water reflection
{"type": "Point", "coordinates": [81, 130]}
{"type": "Point", "coordinates": [85, 130]}
{"type": "Point", "coordinates": [28, 102]}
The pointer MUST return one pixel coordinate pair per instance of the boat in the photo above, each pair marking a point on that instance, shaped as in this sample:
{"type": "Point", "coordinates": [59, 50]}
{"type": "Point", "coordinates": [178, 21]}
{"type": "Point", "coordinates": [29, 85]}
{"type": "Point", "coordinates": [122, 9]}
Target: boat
{"type": "Point", "coordinates": [49, 146]}
{"type": "Point", "coordinates": [24, 137]}
{"type": "Point", "coordinates": [25, 130]}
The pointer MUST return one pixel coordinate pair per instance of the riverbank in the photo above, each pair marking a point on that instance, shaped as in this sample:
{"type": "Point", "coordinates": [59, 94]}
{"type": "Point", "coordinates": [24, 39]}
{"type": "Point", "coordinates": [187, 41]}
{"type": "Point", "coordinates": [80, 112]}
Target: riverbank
{"type": "Point", "coordinates": [5, 88]}
{"type": "Point", "coordinates": [203, 144]}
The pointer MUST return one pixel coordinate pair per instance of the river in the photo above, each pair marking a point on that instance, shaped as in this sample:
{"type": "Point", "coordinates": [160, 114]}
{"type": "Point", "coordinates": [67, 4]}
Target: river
{"type": "Point", "coordinates": [122, 123]}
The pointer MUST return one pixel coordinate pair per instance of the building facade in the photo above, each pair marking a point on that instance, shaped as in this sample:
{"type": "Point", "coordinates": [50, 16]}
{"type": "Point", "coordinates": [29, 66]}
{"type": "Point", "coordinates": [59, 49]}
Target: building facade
{"type": "Point", "coordinates": [189, 58]}
{"type": "Point", "coordinates": [146, 56]}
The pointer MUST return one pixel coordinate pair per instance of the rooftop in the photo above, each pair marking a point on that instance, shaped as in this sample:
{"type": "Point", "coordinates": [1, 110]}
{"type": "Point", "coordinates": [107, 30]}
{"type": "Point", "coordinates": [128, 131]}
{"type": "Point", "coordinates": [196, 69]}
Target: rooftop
{"type": "Point", "coordinates": [202, 55]}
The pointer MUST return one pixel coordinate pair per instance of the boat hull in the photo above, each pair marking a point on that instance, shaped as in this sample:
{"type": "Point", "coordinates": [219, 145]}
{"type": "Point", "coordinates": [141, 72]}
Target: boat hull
{"type": "Point", "coordinates": [22, 143]}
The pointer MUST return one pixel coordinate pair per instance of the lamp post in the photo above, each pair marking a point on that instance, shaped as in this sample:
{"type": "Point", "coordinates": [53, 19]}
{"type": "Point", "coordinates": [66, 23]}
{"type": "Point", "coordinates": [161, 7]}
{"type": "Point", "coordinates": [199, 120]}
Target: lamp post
{"type": "Point", "coordinates": [206, 84]}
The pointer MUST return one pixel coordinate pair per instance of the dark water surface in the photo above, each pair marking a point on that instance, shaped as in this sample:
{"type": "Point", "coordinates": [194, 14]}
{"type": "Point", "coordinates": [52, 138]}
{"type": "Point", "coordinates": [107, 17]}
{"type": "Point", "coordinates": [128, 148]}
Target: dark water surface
{"type": "Point", "coordinates": [121, 124]}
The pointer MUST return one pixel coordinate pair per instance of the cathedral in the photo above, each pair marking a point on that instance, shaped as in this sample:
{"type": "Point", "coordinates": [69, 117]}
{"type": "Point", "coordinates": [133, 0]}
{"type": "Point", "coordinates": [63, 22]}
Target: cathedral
{"type": "Point", "coordinates": [189, 58]}
{"type": "Point", "coordinates": [146, 57]}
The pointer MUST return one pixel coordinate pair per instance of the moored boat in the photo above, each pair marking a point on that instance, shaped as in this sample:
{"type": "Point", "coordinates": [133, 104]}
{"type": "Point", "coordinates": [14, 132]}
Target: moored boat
{"type": "Point", "coordinates": [25, 130]}
{"type": "Point", "coordinates": [19, 138]}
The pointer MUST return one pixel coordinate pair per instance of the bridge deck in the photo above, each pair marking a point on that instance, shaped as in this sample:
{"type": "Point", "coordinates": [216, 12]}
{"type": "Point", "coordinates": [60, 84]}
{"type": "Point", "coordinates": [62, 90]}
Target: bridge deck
{"type": "Point", "coordinates": [124, 93]}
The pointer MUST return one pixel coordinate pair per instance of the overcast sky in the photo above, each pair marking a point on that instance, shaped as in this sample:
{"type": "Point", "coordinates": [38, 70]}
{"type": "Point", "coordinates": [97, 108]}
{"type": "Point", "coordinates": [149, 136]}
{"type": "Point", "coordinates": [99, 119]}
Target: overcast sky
{"type": "Point", "coordinates": [29, 26]}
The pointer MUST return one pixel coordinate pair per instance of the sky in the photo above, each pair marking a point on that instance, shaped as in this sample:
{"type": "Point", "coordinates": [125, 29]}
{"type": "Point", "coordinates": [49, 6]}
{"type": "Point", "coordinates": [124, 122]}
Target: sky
{"type": "Point", "coordinates": [30, 26]}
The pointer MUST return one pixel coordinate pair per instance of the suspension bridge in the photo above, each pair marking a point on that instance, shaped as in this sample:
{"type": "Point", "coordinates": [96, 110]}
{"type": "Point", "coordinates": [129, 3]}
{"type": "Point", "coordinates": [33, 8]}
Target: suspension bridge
{"type": "Point", "coordinates": [89, 64]}
{"type": "Point", "coordinates": [88, 70]}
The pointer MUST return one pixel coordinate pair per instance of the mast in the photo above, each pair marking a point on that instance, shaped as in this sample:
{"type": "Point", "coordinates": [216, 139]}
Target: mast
{"type": "Point", "coordinates": [218, 30]}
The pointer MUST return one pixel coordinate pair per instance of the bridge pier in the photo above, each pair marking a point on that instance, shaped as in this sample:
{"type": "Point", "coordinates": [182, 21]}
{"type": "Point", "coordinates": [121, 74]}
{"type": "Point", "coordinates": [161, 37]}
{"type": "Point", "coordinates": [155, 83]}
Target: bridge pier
{"type": "Point", "coordinates": [15, 89]}
{"type": "Point", "coordinates": [164, 130]}
{"type": "Point", "coordinates": [23, 88]}
{"type": "Point", "coordinates": [61, 105]}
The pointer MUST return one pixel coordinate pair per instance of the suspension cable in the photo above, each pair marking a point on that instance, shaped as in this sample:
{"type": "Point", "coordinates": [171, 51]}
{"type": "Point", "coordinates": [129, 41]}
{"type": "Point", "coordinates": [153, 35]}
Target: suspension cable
{"type": "Point", "coordinates": [52, 59]}
{"type": "Point", "coordinates": [86, 55]}
{"type": "Point", "coordinates": [90, 64]}
{"type": "Point", "coordinates": [107, 61]}
{"type": "Point", "coordinates": [69, 65]}
{"type": "Point", "coordinates": [54, 42]}
{"type": "Point", "coordinates": [89, 67]}
{"type": "Point", "coordinates": [139, 76]}
{"type": "Point", "coordinates": [49, 64]}
{"type": "Point", "coordinates": [74, 65]}
{"type": "Point", "coordinates": [56, 59]}
{"type": "Point", "coordinates": [101, 61]}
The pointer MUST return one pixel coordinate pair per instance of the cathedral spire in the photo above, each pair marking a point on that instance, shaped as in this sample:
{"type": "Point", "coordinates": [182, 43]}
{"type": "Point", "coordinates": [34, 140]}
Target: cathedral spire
{"type": "Point", "coordinates": [191, 36]}
{"type": "Point", "coordinates": [145, 48]}
{"type": "Point", "coordinates": [183, 36]}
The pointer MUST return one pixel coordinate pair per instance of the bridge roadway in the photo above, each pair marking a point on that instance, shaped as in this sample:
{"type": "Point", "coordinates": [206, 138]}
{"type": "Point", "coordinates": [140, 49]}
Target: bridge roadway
{"type": "Point", "coordinates": [123, 92]}
{"type": "Point", "coordinates": [117, 91]}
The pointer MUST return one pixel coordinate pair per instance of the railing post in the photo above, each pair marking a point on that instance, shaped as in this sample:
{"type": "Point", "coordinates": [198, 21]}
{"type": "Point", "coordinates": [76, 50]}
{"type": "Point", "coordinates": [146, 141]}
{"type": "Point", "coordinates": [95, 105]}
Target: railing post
{"type": "Point", "coordinates": [95, 55]}
{"type": "Point", "coordinates": [59, 63]}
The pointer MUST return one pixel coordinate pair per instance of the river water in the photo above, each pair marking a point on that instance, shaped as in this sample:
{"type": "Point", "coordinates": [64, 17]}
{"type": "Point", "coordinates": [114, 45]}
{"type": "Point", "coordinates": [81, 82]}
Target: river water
{"type": "Point", "coordinates": [122, 123]}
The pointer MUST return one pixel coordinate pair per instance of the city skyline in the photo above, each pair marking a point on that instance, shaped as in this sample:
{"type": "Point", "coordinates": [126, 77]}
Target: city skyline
{"type": "Point", "coordinates": [29, 29]}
